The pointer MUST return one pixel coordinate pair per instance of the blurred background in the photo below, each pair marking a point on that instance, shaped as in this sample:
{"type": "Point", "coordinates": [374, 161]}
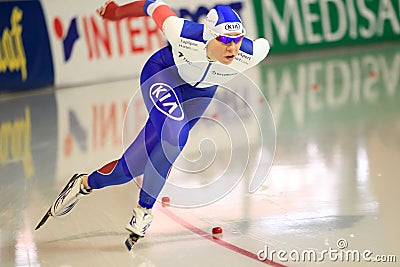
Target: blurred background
{"type": "Point", "coordinates": [331, 83]}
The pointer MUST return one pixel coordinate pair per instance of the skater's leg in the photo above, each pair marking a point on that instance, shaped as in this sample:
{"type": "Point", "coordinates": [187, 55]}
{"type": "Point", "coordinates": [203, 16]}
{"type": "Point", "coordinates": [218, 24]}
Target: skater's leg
{"type": "Point", "coordinates": [162, 157]}
{"type": "Point", "coordinates": [162, 94]}
{"type": "Point", "coordinates": [115, 172]}
{"type": "Point", "coordinates": [174, 135]}
{"type": "Point", "coordinates": [130, 165]}
{"type": "Point", "coordinates": [69, 196]}
{"type": "Point", "coordinates": [162, 97]}
{"type": "Point", "coordinates": [157, 168]}
{"type": "Point", "coordinates": [156, 172]}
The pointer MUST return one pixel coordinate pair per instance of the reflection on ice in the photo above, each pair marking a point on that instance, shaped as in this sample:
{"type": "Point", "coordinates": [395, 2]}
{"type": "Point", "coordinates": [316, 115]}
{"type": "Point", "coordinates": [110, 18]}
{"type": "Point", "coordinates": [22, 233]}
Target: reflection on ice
{"type": "Point", "coordinates": [25, 247]}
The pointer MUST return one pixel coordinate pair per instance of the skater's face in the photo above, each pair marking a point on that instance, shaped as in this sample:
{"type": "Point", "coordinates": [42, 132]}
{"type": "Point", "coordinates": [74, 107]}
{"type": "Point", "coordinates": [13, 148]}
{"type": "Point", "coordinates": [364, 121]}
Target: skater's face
{"type": "Point", "coordinates": [224, 48]}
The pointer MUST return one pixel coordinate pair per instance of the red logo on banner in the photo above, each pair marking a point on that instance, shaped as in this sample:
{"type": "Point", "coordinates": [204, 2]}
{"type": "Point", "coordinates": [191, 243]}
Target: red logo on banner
{"type": "Point", "coordinates": [105, 38]}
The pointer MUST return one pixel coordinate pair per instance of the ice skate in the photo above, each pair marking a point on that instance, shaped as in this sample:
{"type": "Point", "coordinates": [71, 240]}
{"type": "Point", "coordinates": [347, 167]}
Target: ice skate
{"type": "Point", "coordinates": [67, 199]}
{"type": "Point", "coordinates": [138, 225]}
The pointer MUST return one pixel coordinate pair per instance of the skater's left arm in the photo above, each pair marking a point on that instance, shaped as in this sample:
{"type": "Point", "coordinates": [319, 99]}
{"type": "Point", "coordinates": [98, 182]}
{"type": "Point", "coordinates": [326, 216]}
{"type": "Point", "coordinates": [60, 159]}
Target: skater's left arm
{"type": "Point", "coordinates": [111, 11]}
{"type": "Point", "coordinates": [157, 9]}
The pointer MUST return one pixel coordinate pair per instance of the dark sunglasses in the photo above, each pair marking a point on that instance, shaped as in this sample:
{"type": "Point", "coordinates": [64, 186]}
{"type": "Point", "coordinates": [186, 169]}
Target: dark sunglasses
{"type": "Point", "coordinates": [227, 39]}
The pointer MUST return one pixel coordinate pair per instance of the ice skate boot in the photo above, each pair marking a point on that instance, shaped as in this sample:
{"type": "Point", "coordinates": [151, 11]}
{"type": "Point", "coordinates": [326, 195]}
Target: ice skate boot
{"type": "Point", "coordinates": [67, 199]}
{"type": "Point", "coordinates": [138, 225]}
{"type": "Point", "coordinates": [70, 196]}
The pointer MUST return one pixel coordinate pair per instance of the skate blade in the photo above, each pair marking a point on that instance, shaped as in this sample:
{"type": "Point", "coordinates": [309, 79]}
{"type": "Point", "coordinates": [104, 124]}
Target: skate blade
{"type": "Point", "coordinates": [131, 240]}
{"type": "Point", "coordinates": [44, 219]}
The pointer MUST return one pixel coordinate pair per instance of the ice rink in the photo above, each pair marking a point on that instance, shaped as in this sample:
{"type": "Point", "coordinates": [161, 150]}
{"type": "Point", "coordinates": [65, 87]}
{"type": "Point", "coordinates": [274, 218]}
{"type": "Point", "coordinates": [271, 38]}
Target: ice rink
{"type": "Point", "coordinates": [329, 199]}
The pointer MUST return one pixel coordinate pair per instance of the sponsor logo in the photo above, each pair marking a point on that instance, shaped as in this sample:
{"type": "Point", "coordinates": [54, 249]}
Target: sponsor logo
{"type": "Point", "coordinates": [223, 74]}
{"type": "Point", "coordinates": [233, 26]}
{"type": "Point", "coordinates": [166, 101]}
{"type": "Point", "coordinates": [12, 52]}
{"type": "Point", "coordinates": [183, 58]}
{"type": "Point", "coordinates": [105, 39]}
{"type": "Point", "coordinates": [188, 44]}
{"type": "Point", "coordinates": [69, 39]}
